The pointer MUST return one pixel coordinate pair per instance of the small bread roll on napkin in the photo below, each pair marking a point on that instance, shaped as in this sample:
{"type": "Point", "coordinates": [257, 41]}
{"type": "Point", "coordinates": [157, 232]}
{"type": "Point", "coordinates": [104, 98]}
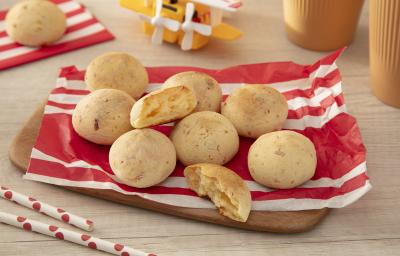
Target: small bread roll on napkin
{"type": "Point", "coordinates": [103, 115]}
{"type": "Point", "coordinates": [255, 109]}
{"type": "Point", "coordinates": [35, 23]}
{"type": "Point", "coordinates": [208, 91]}
{"type": "Point", "coordinates": [205, 137]}
{"type": "Point", "coordinates": [142, 158]}
{"type": "Point", "coordinates": [282, 159]}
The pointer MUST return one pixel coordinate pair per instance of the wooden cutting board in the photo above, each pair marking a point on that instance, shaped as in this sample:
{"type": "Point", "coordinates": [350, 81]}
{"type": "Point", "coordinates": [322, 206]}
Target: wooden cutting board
{"type": "Point", "coordinates": [279, 222]}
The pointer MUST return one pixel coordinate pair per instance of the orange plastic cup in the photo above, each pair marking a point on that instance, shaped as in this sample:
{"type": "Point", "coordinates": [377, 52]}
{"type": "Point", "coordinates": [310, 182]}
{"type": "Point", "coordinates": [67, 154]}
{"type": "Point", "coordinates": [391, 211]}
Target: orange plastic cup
{"type": "Point", "coordinates": [321, 25]}
{"type": "Point", "coordinates": [384, 50]}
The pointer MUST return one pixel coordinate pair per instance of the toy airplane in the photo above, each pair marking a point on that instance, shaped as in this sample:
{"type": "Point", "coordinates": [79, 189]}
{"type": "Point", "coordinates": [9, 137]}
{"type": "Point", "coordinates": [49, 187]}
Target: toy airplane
{"type": "Point", "coordinates": [189, 23]}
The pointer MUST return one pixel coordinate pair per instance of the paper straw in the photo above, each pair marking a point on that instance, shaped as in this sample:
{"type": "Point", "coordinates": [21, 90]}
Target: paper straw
{"type": "Point", "coordinates": [56, 213]}
{"type": "Point", "coordinates": [71, 236]}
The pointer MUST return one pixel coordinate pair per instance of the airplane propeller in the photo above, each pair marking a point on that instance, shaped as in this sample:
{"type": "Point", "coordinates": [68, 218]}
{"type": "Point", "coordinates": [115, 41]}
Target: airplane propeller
{"type": "Point", "coordinates": [160, 23]}
{"type": "Point", "coordinates": [189, 27]}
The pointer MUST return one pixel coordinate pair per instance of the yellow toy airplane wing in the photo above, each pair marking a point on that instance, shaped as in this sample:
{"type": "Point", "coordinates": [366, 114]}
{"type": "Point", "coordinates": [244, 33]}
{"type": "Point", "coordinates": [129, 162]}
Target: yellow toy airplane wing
{"type": "Point", "coordinates": [137, 6]}
{"type": "Point", "coordinates": [226, 32]}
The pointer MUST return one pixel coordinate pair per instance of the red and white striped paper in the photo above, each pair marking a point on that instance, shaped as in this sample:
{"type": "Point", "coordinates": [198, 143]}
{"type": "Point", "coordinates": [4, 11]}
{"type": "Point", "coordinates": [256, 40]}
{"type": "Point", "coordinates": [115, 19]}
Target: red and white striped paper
{"type": "Point", "coordinates": [83, 29]}
{"type": "Point", "coordinates": [316, 109]}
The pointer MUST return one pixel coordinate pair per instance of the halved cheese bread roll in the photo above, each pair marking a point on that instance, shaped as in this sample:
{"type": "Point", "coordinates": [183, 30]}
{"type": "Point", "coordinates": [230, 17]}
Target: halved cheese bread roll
{"type": "Point", "coordinates": [163, 106]}
{"type": "Point", "coordinates": [223, 186]}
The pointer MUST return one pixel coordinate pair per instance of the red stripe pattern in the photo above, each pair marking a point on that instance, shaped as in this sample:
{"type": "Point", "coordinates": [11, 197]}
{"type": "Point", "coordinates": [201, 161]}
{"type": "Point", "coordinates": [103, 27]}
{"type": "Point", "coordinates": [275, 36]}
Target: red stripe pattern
{"type": "Point", "coordinates": [83, 29]}
{"type": "Point", "coordinates": [316, 109]}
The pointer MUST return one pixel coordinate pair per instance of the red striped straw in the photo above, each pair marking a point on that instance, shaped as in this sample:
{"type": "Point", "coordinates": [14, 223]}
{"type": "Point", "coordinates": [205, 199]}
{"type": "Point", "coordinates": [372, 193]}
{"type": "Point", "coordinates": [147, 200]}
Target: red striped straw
{"type": "Point", "coordinates": [71, 236]}
{"type": "Point", "coordinates": [54, 212]}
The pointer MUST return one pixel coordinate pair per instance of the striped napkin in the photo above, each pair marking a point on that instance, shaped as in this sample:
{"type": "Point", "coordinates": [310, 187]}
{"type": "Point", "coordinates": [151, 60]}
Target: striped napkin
{"type": "Point", "coordinates": [316, 109]}
{"type": "Point", "coordinates": [83, 29]}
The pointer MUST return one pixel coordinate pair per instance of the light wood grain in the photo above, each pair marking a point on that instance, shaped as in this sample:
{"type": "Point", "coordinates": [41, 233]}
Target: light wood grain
{"type": "Point", "coordinates": [370, 226]}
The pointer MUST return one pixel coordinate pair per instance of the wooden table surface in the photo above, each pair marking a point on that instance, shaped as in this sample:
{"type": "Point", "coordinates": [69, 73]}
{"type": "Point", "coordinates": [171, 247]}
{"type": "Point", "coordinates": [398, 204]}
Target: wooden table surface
{"type": "Point", "coordinates": [370, 226]}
